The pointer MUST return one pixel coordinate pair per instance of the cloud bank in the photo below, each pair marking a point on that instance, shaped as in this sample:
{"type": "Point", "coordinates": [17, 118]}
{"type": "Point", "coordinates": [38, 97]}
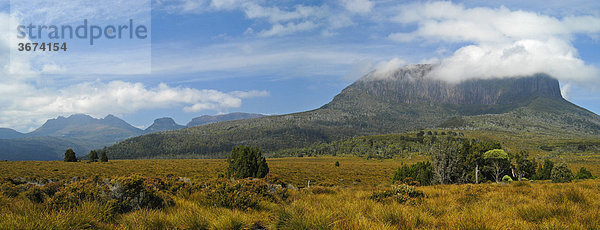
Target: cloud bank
{"type": "Point", "coordinates": [500, 42]}
{"type": "Point", "coordinates": [27, 98]}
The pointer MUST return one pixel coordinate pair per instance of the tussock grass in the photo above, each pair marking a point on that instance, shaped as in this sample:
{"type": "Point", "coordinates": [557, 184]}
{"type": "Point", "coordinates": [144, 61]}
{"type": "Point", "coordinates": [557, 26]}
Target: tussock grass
{"type": "Point", "coordinates": [517, 205]}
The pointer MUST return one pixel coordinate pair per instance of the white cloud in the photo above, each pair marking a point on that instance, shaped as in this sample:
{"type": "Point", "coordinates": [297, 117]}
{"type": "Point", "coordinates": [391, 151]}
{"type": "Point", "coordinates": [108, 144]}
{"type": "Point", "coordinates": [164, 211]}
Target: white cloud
{"type": "Point", "coordinates": [386, 68]}
{"type": "Point", "coordinates": [502, 42]}
{"type": "Point", "coordinates": [358, 6]}
{"type": "Point", "coordinates": [27, 100]}
{"type": "Point", "coordinates": [282, 20]}
{"type": "Point", "coordinates": [289, 28]}
{"type": "Point", "coordinates": [565, 91]}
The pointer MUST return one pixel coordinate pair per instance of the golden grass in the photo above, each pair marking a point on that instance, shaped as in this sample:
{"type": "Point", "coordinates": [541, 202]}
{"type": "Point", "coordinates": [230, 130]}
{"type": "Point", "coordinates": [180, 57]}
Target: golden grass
{"type": "Point", "coordinates": [346, 205]}
{"type": "Point", "coordinates": [353, 171]}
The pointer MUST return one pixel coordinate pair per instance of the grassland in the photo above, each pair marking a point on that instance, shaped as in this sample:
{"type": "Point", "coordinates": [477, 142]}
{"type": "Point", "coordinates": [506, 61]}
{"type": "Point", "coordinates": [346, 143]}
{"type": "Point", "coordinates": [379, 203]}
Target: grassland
{"type": "Point", "coordinates": [340, 199]}
{"type": "Point", "coordinates": [296, 171]}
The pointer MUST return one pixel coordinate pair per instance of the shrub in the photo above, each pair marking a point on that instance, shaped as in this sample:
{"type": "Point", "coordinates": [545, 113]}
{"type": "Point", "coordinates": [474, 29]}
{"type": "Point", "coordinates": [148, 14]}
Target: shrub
{"type": "Point", "coordinates": [421, 172]}
{"type": "Point", "coordinates": [9, 188]}
{"type": "Point", "coordinates": [561, 174]}
{"type": "Point", "coordinates": [507, 179]}
{"type": "Point", "coordinates": [35, 195]}
{"type": "Point", "coordinates": [247, 162]}
{"type": "Point", "coordinates": [74, 193]}
{"type": "Point", "coordinates": [400, 194]}
{"type": "Point", "coordinates": [134, 193]}
{"type": "Point", "coordinates": [584, 174]}
{"type": "Point", "coordinates": [70, 156]}
{"type": "Point", "coordinates": [337, 164]}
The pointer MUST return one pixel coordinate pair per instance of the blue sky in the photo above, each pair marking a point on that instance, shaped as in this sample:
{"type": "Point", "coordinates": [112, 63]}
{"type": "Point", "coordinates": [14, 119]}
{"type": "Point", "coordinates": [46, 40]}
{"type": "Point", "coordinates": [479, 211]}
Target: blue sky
{"type": "Point", "coordinates": [277, 57]}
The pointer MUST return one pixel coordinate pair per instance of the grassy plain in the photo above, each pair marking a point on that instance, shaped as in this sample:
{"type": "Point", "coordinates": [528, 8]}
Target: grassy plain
{"type": "Point", "coordinates": [340, 199]}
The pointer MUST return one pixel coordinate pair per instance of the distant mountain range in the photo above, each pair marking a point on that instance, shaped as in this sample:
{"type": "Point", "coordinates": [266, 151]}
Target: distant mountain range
{"type": "Point", "coordinates": [403, 100]}
{"type": "Point", "coordinates": [84, 133]}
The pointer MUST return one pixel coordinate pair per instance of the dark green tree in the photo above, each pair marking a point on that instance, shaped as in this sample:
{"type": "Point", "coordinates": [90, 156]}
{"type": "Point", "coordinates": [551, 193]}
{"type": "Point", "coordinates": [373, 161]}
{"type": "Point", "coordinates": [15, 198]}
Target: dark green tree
{"type": "Point", "coordinates": [103, 157]}
{"type": "Point", "coordinates": [93, 156]}
{"type": "Point", "coordinates": [584, 174]}
{"type": "Point", "coordinates": [523, 167]}
{"type": "Point", "coordinates": [421, 172]}
{"type": "Point", "coordinates": [70, 156]}
{"type": "Point", "coordinates": [246, 162]}
{"type": "Point", "coordinates": [337, 164]}
{"type": "Point", "coordinates": [561, 174]}
{"type": "Point", "coordinates": [544, 172]}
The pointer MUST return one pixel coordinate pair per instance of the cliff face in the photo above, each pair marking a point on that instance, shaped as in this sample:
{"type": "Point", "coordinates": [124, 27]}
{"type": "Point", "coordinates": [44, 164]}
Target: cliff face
{"type": "Point", "coordinates": [411, 85]}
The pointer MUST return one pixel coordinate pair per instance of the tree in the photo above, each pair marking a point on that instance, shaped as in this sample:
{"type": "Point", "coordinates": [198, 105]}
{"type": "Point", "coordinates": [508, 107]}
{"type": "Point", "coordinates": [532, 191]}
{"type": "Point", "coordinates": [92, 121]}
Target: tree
{"type": "Point", "coordinates": [496, 158]}
{"type": "Point", "coordinates": [421, 172]}
{"type": "Point", "coordinates": [446, 160]}
{"type": "Point", "coordinates": [561, 173]}
{"type": "Point", "coordinates": [545, 170]}
{"type": "Point", "coordinates": [246, 162]}
{"type": "Point", "coordinates": [70, 156]}
{"type": "Point", "coordinates": [337, 164]}
{"type": "Point", "coordinates": [93, 156]}
{"type": "Point", "coordinates": [103, 157]}
{"type": "Point", "coordinates": [584, 174]}
{"type": "Point", "coordinates": [473, 152]}
{"type": "Point", "coordinates": [522, 166]}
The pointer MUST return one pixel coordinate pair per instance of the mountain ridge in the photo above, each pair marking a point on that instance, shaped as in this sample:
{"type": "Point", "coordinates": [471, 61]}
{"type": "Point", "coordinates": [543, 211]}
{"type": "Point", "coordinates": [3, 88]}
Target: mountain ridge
{"type": "Point", "coordinates": [78, 131]}
{"type": "Point", "coordinates": [374, 105]}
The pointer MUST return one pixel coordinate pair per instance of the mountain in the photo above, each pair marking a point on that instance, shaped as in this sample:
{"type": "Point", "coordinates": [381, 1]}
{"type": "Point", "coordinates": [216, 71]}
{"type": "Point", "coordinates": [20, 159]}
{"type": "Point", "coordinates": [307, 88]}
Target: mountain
{"type": "Point", "coordinates": [10, 134]}
{"type": "Point", "coordinates": [207, 119]}
{"type": "Point", "coordinates": [106, 130]}
{"type": "Point", "coordinates": [80, 132]}
{"type": "Point", "coordinates": [403, 100]}
{"type": "Point", "coordinates": [163, 124]}
{"type": "Point", "coordinates": [40, 148]}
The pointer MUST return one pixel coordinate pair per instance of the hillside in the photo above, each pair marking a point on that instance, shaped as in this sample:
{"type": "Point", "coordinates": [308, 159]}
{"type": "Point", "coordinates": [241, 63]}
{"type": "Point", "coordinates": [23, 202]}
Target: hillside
{"type": "Point", "coordinates": [207, 119]}
{"type": "Point", "coordinates": [10, 134]}
{"type": "Point", "coordinates": [163, 124]}
{"type": "Point", "coordinates": [404, 100]}
{"type": "Point", "coordinates": [79, 132]}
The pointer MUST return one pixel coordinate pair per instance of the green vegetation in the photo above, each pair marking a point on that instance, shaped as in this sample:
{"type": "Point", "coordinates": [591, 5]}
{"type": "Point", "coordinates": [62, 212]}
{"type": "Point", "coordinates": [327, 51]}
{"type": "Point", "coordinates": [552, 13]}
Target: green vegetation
{"type": "Point", "coordinates": [93, 156]}
{"type": "Point", "coordinates": [420, 173]}
{"type": "Point", "coordinates": [584, 174]}
{"type": "Point", "coordinates": [70, 156]}
{"type": "Point", "coordinates": [245, 161]}
{"type": "Point", "coordinates": [561, 173]}
{"type": "Point", "coordinates": [103, 157]}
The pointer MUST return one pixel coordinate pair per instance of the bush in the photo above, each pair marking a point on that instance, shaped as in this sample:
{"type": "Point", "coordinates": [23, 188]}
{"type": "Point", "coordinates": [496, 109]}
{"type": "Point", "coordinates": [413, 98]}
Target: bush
{"type": "Point", "coordinates": [35, 195]}
{"type": "Point", "coordinates": [247, 162]}
{"type": "Point", "coordinates": [584, 174]}
{"type": "Point", "coordinates": [561, 174]}
{"type": "Point", "coordinates": [337, 164]}
{"type": "Point", "coordinates": [240, 194]}
{"type": "Point", "coordinates": [400, 194]}
{"type": "Point", "coordinates": [421, 172]}
{"type": "Point", "coordinates": [9, 188]}
{"type": "Point", "coordinates": [134, 193]}
{"type": "Point", "coordinates": [507, 179]}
